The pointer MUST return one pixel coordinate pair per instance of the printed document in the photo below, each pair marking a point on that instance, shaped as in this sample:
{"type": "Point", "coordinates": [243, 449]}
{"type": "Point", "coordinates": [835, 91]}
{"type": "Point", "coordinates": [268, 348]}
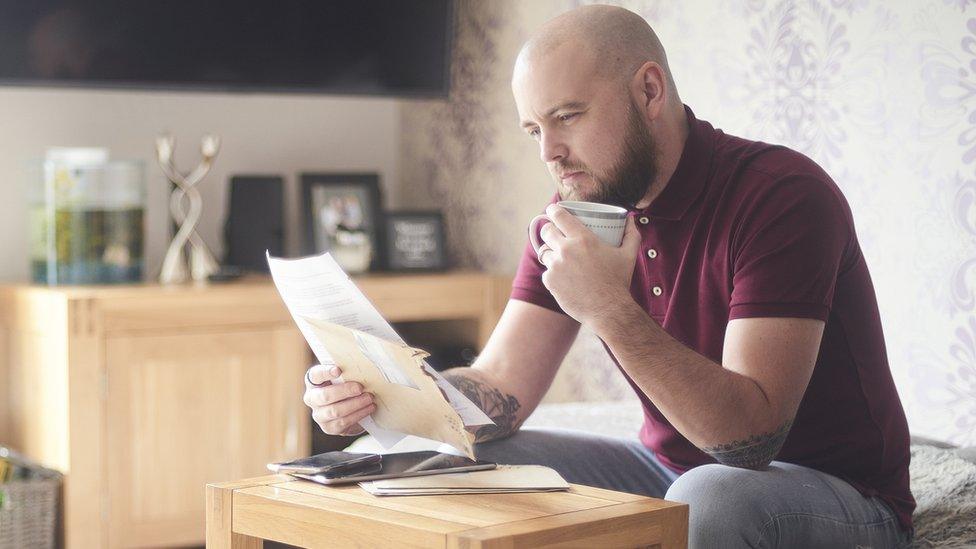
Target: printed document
{"type": "Point", "coordinates": [323, 301]}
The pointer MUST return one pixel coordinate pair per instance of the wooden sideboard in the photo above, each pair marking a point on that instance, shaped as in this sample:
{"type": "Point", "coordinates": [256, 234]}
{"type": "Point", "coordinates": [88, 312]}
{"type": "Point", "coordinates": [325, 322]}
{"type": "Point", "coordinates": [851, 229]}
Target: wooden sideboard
{"type": "Point", "coordinates": [143, 394]}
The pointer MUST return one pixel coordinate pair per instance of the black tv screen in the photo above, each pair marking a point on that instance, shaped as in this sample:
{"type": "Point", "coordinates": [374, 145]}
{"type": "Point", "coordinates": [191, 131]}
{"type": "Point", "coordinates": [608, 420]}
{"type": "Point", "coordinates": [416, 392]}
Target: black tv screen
{"type": "Point", "coordinates": [372, 47]}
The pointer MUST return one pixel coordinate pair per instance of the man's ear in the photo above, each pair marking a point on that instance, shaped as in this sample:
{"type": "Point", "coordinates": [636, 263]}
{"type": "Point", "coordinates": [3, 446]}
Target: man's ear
{"type": "Point", "coordinates": [650, 88]}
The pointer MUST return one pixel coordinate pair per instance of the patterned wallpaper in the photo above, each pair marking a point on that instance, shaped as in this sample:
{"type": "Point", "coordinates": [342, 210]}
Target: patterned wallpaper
{"type": "Point", "coordinates": [882, 94]}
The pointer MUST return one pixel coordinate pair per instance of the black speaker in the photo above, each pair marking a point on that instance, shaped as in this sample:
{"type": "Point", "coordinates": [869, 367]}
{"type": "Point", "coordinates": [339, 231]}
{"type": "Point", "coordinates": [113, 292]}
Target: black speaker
{"type": "Point", "coordinates": [254, 221]}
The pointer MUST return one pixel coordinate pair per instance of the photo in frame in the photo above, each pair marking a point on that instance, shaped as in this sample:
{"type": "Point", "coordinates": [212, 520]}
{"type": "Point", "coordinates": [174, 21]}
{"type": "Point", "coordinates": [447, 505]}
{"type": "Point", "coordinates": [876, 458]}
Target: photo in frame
{"type": "Point", "coordinates": [415, 241]}
{"type": "Point", "coordinates": [342, 215]}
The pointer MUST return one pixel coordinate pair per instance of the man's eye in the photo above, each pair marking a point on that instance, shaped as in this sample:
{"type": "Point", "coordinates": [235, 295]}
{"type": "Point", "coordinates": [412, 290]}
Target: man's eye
{"type": "Point", "coordinates": [567, 117]}
{"type": "Point", "coordinates": [534, 133]}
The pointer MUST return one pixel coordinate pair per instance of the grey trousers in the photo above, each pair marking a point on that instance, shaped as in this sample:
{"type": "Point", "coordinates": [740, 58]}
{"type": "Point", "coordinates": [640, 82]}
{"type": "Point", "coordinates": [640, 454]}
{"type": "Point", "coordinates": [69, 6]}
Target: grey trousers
{"type": "Point", "coordinates": [785, 505]}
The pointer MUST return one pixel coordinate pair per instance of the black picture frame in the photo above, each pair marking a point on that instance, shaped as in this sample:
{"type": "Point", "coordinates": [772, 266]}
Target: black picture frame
{"type": "Point", "coordinates": [360, 192]}
{"type": "Point", "coordinates": [422, 249]}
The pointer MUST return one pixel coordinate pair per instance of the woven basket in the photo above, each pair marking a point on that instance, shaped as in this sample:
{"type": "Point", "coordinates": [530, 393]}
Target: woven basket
{"type": "Point", "coordinates": [29, 512]}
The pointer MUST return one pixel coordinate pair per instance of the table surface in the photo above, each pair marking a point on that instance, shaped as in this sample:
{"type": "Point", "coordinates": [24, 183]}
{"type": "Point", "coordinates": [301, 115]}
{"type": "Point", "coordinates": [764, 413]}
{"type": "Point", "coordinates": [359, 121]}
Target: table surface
{"type": "Point", "coordinates": [303, 513]}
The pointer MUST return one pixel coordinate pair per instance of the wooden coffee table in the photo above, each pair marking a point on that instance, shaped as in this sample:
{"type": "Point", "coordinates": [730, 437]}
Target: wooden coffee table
{"type": "Point", "coordinates": [302, 513]}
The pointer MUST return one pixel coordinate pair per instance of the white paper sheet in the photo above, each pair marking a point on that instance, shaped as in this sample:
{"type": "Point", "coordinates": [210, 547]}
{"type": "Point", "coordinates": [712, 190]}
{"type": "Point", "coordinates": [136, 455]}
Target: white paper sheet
{"type": "Point", "coordinates": [317, 287]}
{"type": "Point", "coordinates": [504, 479]}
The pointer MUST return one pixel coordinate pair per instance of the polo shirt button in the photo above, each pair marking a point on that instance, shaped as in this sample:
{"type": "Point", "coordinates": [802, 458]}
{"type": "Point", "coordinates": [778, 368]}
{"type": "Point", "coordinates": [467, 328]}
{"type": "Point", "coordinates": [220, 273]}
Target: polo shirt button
{"type": "Point", "coordinates": [657, 291]}
{"type": "Point", "coordinates": [652, 253]}
{"type": "Point", "coordinates": [643, 220]}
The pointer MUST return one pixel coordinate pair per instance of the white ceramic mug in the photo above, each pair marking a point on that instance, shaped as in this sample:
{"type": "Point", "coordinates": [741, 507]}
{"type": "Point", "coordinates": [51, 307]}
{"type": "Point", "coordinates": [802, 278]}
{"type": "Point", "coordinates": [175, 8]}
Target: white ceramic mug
{"type": "Point", "coordinates": [606, 221]}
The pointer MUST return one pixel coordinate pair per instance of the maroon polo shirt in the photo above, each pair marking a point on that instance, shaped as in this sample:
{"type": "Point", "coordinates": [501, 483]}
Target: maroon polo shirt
{"type": "Point", "coordinates": [746, 229]}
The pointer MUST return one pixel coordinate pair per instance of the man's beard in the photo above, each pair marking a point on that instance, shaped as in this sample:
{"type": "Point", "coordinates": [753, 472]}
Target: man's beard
{"type": "Point", "coordinates": [627, 182]}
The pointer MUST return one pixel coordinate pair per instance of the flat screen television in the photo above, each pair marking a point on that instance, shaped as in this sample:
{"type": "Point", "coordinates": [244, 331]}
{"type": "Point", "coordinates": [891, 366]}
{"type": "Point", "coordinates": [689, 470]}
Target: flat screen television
{"type": "Point", "coordinates": [349, 47]}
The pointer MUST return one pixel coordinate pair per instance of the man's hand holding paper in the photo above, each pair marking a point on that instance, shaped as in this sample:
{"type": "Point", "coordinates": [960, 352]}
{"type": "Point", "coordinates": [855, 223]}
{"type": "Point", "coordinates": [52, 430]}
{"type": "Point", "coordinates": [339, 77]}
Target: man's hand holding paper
{"type": "Point", "coordinates": [337, 406]}
{"type": "Point", "coordinates": [315, 289]}
{"type": "Point", "coordinates": [406, 398]}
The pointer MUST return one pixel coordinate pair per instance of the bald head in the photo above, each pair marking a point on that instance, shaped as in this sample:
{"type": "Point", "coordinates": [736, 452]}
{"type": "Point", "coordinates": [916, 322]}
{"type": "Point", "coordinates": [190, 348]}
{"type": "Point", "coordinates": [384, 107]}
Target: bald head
{"type": "Point", "coordinates": [592, 87]}
{"type": "Point", "coordinates": [611, 41]}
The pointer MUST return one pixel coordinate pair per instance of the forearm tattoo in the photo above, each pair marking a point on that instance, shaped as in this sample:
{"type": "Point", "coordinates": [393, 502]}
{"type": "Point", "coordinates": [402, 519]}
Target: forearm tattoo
{"type": "Point", "coordinates": [499, 407]}
{"type": "Point", "coordinates": [753, 453]}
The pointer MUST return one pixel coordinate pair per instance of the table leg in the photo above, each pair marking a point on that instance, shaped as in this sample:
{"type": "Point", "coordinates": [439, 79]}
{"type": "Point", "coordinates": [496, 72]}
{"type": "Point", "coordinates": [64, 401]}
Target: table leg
{"type": "Point", "coordinates": [220, 535]}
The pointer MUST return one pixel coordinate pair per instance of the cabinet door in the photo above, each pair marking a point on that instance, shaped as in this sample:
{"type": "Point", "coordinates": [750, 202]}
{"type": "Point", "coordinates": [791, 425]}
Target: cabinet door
{"type": "Point", "coordinates": [185, 409]}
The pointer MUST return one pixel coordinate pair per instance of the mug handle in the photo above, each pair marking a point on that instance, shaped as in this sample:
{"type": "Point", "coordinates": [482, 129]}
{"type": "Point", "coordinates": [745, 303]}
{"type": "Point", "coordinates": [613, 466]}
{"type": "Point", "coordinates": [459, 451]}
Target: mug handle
{"type": "Point", "coordinates": [534, 231]}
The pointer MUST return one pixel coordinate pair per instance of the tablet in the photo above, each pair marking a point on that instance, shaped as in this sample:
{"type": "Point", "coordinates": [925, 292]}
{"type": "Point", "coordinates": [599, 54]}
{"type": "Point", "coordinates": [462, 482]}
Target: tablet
{"type": "Point", "coordinates": [407, 464]}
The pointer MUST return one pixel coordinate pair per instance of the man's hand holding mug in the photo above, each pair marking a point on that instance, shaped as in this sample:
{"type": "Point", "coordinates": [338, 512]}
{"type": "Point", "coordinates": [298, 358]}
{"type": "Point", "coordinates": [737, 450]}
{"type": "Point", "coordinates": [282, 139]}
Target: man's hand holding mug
{"type": "Point", "coordinates": [589, 251]}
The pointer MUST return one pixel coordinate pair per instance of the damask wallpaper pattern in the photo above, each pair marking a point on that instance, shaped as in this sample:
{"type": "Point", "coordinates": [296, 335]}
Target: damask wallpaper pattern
{"type": "Point", "coordinates": [882, 94]}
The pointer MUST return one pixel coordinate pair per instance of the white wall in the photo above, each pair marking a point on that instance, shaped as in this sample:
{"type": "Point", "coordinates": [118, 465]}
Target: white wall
{"type": "Point", "coordinates": [261, 134]}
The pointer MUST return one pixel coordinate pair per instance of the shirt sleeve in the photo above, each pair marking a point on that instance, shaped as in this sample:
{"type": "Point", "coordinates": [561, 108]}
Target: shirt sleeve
{"type": "Point", "coordinates": [528, 285]}
{"type": "Point", "coordinates": [789, 250]}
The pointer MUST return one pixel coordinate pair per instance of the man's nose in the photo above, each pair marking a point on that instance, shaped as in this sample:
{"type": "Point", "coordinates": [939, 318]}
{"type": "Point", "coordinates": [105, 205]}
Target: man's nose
{"type": "Point", "coordinates": [552, 149]}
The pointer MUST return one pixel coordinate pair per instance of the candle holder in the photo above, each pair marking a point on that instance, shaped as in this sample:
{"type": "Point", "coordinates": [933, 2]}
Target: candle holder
{"type": "Point", "coordinates": [186, 205]}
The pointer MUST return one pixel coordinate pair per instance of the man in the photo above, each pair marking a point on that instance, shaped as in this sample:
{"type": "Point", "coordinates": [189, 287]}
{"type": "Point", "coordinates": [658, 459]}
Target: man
{"type": "Point", "coordinates": [739, 307]}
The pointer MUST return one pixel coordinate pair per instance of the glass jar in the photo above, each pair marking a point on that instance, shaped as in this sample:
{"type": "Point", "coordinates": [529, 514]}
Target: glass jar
{"type": "Point", "coordinates": [87, 219]}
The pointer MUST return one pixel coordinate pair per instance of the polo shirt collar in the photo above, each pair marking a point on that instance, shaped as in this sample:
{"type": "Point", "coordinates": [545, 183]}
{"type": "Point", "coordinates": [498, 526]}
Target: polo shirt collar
{"type": "Point", "coordinates": [689, 178]}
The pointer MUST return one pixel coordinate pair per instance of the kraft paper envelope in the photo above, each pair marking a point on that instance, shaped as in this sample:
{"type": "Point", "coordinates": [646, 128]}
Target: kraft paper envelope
{"type": "Point", "coordinates": [407, 398]}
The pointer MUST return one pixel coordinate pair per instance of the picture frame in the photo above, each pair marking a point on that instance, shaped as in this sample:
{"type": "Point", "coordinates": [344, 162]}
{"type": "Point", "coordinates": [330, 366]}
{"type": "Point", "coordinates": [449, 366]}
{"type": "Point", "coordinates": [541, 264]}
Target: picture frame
{"type": "Point", "coordinates": [415, 241]}
{"type": "Point", "coordinates": [343, 215]}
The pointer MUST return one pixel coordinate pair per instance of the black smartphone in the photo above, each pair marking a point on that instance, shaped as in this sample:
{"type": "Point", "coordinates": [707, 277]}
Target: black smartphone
{"type": "Point", "coordinates": [326, 463]}
{"type": "Point", "coordinates": [406, 464]}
